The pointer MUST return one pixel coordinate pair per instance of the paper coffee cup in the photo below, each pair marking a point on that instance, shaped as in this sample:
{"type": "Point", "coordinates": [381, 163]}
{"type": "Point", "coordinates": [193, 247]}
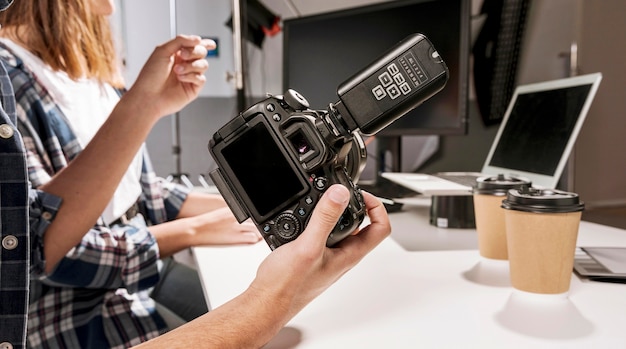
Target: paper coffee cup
{"type": "Point", "coordinates": [542, 228]}
{"type": "Point", "coordinates": [488, 195]}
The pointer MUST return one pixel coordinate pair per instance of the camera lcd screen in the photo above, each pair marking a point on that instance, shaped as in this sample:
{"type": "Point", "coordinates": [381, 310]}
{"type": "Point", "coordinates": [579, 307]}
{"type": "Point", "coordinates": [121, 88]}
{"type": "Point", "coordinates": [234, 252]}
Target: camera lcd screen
{"type": "Point", "coordinates": [263, 171]}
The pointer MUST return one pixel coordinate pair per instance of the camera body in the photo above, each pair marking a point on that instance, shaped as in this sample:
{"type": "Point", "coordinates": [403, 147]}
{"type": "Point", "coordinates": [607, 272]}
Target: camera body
{"type": "Point", "coordinates": [276, 159]}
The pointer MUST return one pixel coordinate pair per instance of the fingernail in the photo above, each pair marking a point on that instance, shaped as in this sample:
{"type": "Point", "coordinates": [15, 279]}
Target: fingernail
{"type": "Point", "coordinates": [338, 194]}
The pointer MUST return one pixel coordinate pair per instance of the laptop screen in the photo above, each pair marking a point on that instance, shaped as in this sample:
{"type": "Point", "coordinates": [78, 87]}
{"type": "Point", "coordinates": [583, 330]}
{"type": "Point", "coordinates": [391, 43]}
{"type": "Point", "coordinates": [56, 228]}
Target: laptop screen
{"type": "Point", "coordinates": [540, 128]}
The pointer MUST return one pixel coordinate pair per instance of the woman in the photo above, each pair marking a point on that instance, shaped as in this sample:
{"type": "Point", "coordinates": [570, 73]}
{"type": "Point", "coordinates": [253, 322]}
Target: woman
{"type": "Point", "coordinates": [66, 77]}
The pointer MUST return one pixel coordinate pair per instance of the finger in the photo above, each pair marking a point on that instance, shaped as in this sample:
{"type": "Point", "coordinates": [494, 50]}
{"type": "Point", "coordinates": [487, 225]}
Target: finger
{"type": "Point", "coordinates": [178, 43]}
{"type": "Point", "coordinates": [198, 66]}
{"type": "Point", "coordinates": [198, 51]}
{"type": "Point", "coordinates": [250, 237]}
{"type": "Point", "coordinates": [326, 214]}
{"type": "Point", "coordinates": [370, 236]}
{"type": "Point", "coordinates": [192, 78]}
{"type": "Point", "coordinates": [209, 44]}
{"type": "Point", "coordinates": [375, 210]}
{"type": "Point", "coordinates": [250, 226]}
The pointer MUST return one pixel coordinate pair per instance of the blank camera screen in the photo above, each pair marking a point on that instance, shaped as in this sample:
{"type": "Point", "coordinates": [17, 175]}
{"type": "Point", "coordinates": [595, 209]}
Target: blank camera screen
{"type": "Point", "coordinates": [262, 170]}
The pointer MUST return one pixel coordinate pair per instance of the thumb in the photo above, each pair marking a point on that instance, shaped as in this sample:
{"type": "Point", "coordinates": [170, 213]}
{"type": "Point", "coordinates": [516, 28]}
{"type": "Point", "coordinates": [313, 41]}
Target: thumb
{"type": "Point", "coordinates": [326, 214]}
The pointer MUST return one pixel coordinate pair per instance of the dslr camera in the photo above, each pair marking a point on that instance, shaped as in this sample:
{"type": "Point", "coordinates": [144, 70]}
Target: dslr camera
{"type": "Point", "coordinates": [277, 158]}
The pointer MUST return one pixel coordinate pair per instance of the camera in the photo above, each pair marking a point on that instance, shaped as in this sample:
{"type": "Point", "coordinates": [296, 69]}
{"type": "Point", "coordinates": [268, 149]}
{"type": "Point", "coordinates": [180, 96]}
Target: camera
{"type": "Point", "coordinates": [276, 159]}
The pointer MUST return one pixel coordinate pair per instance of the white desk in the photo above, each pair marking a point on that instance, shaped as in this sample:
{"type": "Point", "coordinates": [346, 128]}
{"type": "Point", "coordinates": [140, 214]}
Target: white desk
{"type": "Point", "coordinates": [435, 293]}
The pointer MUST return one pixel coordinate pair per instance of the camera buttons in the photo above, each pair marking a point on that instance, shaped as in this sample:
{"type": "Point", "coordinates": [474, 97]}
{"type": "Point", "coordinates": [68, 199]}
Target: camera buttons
{"type": "Point", "coordinates": [308, 200]}
{"type": "Point", "coordinates": [345, 221]}
{"type": "Point", "coordinates": [379, 92]}
{"type": "Point", "coordinates": [272, 242]}
{"type": "Point", "coordinates": [270, 107]}
{"type": "Point", "coordinates": [287, 226]}
{"type": "Point", "coordinates": [295, 100]}
{"type": "Point", "coordinates": [320, 183]}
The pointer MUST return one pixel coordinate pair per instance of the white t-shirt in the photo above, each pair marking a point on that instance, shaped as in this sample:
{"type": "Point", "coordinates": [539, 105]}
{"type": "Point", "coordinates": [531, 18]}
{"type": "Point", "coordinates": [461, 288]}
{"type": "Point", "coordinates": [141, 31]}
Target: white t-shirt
{"type": "Point", "coordinates": [87, 104]}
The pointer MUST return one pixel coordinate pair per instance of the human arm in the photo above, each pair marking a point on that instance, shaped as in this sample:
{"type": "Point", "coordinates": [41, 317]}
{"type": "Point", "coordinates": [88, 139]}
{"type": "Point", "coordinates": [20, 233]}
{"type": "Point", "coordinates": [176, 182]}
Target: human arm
{"type": "Point", "coordinates": [171, 78]}
{"type": "Point", "coordinates": [164, 203]}
{"type": "Point", "coordinates": [181, 218]}
{"type": "Point", "coordinates": [122, 256]}
{"type": "Point", "coordinates": [287, 280]}
{"type": "Point", "coordinates": [199, 203]}
{"type": "Point", "coordinates": [218, 227]}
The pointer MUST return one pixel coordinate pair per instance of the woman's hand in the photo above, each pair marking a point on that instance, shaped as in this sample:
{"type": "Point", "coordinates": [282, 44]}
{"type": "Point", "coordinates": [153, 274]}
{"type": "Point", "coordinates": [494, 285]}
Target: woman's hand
{"type": "Point", "coordinates": [219, 227]}
{"type": "Point", "coordinates": [173, 75]}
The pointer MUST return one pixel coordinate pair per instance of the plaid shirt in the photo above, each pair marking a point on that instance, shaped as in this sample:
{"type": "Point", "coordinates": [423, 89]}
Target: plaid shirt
{"type": "Point", "coordinates": [17, 232]}
{"type": "Point", "coordinates": [97, 297]}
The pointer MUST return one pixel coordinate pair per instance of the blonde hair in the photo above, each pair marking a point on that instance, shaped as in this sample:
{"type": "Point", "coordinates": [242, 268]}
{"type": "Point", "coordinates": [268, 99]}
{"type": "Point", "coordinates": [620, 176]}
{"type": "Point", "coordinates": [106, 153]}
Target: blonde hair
{"type": "Point", "coordinates": [66, 36]}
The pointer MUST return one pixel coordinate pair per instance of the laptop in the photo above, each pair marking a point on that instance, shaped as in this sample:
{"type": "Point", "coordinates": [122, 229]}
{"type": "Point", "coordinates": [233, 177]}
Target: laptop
{"type": "Point", "coordinates": [534, 140]}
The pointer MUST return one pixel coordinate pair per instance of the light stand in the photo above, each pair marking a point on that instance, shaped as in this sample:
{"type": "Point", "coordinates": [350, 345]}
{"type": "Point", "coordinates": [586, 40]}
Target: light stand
{"type": "Point", "coordinates": [177, 176]}
{"type": "Point", "coordinates": [239, 17]}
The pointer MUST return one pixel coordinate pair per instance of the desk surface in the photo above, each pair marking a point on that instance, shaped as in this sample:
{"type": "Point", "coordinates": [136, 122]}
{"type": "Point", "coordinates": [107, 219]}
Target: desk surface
{"type": "Point", "coordinates": [428, 287]}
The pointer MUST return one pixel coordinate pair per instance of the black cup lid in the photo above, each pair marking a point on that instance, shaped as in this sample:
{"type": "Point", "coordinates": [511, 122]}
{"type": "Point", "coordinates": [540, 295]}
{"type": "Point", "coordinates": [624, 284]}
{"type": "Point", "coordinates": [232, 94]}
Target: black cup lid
{"type": "Point", "coordinates": [542, 201]}
{"type": "Point", "coordinates": [500, 184]}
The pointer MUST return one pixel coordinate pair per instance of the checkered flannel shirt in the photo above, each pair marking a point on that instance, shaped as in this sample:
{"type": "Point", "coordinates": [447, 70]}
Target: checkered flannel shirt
{"type": "Point", "coordinates": [97, 296]}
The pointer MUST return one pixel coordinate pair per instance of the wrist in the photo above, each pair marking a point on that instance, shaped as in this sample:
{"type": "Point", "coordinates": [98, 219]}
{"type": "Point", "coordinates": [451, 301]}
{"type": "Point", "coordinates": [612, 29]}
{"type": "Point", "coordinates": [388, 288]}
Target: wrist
{"type": "Point", "coordinates": [135, 104]}
{"type": "Point", "coordinates": [271, 309]}
{"type": "Point", "coordinates": [173, 236]}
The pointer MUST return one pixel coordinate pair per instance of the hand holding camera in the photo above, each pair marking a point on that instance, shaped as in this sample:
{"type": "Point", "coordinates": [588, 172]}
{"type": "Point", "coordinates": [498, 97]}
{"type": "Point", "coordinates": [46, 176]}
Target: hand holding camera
{"type": "Point", "coordinates": [277, 158]}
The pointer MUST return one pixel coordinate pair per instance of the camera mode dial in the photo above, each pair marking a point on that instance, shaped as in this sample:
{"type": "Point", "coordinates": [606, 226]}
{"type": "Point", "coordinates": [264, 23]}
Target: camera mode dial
{"type": "Point", "coordinates": [287, 226]}
{"type": "Point", "coordinates": [296, 100]}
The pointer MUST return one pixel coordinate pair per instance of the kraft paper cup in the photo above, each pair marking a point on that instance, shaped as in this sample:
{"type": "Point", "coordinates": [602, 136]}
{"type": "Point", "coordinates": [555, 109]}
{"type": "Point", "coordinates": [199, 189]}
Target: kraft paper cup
{"type": "Point", "coordinates": [488, 195]}
{"type": "Point", "coordinates": [542, 228]}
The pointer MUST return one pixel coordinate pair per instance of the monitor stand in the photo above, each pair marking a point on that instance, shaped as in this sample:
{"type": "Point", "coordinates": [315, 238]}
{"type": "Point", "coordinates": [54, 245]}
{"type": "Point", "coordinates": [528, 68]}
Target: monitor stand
{"type": "Point", "coordinates": [388, 159]}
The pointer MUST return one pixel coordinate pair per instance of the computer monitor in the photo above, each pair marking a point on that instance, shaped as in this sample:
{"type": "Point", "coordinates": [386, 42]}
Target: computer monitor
{"type": "Point", "coordinates": [322, 51]}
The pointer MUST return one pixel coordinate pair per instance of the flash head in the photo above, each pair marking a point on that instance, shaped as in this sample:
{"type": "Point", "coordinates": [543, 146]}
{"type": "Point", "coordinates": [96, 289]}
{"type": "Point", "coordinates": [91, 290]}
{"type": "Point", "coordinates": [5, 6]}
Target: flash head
{"type": "Point", "coordinates": [400, 80]}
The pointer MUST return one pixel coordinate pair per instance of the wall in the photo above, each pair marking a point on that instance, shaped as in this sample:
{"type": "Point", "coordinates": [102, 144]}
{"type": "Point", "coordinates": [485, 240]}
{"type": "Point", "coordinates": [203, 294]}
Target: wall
{"type": "Point", "coordinates": [541, 59]}
{"type": "Point", "coordinates": [148, 23]}
{"type": "Point", "coordinates": [597, 166]}
{"type": "Point", "coordinates": [599, 162]}
{"type": "Point", "coordinates": [143, 31]}
{"type": "Point", "coordinates": [600, 151]}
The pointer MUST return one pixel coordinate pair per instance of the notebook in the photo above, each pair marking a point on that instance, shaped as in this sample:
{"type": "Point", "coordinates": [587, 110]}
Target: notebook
{"type": "Point", "coordinates": [534, 140]}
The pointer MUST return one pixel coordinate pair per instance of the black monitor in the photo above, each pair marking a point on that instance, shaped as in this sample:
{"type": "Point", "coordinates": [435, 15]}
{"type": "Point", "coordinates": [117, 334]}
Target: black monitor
{"type": "Point", "coordinates": [321, 51]}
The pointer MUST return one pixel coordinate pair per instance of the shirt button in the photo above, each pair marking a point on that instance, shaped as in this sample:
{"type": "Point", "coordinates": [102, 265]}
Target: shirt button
{"type": "Point", "coordinates": [6, 345]}
{"type": "Point", "coordinates": [47, 216]}
{"type": "Point", "coordinates": [6, 131]}
{"type": "Point", "coordinates": [9, 242]}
